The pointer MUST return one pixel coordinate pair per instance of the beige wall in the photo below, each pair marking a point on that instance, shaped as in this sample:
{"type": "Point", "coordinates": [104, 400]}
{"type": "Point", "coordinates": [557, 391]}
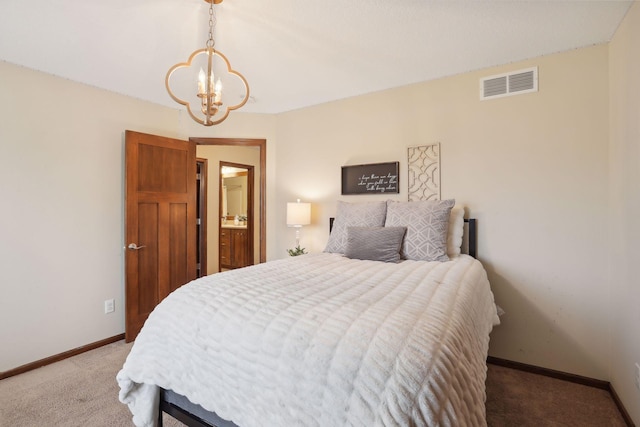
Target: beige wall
{"type": "Point", "coordinates": [624, 188]}
{"type": "Point", "coordinates": [62, 216]}
{"type": "Point", "coordinates": [532, 168]}
{"type": "Point", "coordinates": [242, 155]}
{"type": "Point", "coordinates": [61, 174]}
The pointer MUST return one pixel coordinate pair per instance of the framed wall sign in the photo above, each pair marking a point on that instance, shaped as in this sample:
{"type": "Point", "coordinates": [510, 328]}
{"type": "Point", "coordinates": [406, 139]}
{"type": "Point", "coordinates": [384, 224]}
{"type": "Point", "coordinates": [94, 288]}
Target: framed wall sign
{"type": "Point", "coordinates": [374, 178]}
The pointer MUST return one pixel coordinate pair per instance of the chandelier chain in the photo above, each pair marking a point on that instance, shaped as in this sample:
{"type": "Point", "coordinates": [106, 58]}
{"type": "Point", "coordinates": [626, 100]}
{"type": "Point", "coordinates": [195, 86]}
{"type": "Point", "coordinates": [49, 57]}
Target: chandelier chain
{"type": "Point", "coordinates": [212, 20]}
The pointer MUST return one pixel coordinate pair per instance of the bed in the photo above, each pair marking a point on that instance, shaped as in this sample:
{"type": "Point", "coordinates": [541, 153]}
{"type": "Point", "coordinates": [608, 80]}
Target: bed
{"type": "Point", "coordinates": [325, 339]}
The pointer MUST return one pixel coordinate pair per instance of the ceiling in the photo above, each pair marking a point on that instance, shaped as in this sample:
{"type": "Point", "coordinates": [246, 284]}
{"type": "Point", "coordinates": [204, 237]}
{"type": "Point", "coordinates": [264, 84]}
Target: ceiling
{"type": "Point", "coordinates": [293, 53]}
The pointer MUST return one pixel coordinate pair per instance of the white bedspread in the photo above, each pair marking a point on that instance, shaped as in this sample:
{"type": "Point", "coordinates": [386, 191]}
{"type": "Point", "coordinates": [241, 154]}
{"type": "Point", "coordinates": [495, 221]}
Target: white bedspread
{"type": "Point", "coordinates": [321, 340]}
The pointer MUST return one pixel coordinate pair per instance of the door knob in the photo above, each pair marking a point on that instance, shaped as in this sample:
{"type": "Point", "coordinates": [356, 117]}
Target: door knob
{"type": "Point", "coordinates": [135, 247]}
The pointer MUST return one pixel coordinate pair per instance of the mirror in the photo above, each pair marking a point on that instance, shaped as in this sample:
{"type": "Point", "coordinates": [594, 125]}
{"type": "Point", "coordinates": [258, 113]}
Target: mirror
{"type": "Point", "coordinates": [234, 192]}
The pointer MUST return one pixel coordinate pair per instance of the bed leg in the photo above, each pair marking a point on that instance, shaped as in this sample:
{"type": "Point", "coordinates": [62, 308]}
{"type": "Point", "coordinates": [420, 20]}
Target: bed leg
{"type": "Point", "coordinates": [160, 408]}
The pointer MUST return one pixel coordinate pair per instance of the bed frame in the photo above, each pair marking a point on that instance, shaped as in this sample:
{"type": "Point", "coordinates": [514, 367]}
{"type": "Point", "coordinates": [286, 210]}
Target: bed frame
{"type": "Point", "coordinates": [192, 415]}
{"type": "Point", "coordinates": [471, 237]}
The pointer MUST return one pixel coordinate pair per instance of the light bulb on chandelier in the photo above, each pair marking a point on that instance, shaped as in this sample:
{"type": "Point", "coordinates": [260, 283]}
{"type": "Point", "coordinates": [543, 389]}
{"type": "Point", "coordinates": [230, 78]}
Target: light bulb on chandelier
{"type": "Point", "coordinates": [210, 100]}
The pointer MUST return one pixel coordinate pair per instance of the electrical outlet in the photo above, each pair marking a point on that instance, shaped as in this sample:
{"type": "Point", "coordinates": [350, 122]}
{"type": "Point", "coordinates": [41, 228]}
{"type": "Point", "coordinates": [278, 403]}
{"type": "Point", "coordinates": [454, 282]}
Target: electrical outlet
{"type": "Point", "coordinates": [637, 376]}
{"type": "Point", "coordinates": [109, 306]}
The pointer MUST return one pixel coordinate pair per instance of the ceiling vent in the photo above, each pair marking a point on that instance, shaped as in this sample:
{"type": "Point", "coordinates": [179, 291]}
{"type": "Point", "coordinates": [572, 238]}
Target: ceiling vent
{"type": "Point", "coordinates": [508, 84]}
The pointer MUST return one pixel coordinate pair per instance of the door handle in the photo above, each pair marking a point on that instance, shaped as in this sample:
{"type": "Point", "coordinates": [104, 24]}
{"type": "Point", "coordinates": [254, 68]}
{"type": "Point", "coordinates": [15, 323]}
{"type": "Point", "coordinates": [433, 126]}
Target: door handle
{"type": "Point", "coordinates": [135, 247]}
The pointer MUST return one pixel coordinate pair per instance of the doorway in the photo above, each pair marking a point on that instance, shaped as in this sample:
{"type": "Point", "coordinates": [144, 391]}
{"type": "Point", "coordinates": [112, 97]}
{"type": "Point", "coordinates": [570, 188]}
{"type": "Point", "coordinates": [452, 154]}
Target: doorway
{"type": "Point", "coordinates": [260, 223]}
{"type": "Point", "coordinates": [237, 216]}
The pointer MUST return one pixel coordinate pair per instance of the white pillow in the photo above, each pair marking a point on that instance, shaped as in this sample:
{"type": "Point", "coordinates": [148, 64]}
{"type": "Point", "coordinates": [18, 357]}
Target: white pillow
{"type": "Point", "coordinates": [365, 214]}
{"type": "Point", "coordinates": [456, 231]}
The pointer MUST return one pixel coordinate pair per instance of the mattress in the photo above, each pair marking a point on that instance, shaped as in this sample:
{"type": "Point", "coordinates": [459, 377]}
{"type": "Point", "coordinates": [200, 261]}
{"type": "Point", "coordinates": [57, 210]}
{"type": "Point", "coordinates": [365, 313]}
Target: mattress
{"type": "Point", "coordinates": [321, 340]}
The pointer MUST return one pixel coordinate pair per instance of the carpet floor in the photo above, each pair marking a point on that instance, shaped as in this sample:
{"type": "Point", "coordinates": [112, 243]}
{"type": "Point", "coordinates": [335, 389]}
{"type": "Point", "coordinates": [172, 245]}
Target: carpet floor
{"type": "Point", "coordinates": [82, 391]}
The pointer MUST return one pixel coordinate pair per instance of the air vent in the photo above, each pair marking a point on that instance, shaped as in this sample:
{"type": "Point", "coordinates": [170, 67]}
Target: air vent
{"type": "Point", "coordinates": [508, 84]}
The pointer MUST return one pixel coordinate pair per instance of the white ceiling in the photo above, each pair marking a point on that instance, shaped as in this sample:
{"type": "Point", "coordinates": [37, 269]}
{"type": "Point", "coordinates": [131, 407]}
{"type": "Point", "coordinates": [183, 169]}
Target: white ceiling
{"type": "Point", "coordinates": [294, 53]}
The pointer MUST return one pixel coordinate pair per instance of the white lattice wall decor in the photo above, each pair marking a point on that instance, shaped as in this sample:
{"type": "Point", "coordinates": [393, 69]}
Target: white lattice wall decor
{"type": "Point", "coordinates": [424, 172]}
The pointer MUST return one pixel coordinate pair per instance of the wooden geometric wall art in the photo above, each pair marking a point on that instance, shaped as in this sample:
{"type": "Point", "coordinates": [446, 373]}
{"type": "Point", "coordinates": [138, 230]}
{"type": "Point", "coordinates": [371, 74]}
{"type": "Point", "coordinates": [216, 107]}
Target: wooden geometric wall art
{"type": "Point", "coordinates": [424, 172]}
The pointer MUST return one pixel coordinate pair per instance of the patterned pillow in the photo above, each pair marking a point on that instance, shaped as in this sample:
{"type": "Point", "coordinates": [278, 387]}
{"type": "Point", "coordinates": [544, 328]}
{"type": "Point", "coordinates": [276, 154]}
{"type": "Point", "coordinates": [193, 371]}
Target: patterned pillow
{"type": "Point", "coordinates": [427, 225]}
{"type": "Point", "coordinates": [375, 243]}
{"type": "Point", "coordinates": [366, 214]}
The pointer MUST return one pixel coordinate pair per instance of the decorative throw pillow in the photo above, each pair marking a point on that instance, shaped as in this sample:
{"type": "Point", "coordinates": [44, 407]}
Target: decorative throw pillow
{"type": "Point", "coordinates": [456, 231]}
{"type": "Point", "coordinates": [427, 225]}
{"type": "Point", "coordinates": [375, 243]}
{"type": "Point", "coordinates": [365, 214]}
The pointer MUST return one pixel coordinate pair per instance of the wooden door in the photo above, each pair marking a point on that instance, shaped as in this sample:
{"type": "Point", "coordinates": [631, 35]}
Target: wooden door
{"type": "Point", "coordinates": [225, 248]}
{"type": "Point", "coordinates": [240, 248]}
{"type": "Point", "coordinates": [160, 222]}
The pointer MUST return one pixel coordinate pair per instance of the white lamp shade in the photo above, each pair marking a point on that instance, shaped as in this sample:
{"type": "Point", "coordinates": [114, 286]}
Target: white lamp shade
{"type": "Point", "coordinates": [298, 214]}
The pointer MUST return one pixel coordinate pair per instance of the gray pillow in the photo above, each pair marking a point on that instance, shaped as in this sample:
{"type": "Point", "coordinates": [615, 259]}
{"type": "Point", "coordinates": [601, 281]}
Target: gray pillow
{"type": "Point", "coordinates": [365, 214]}
{"type": "Point", "coordinates": [427, 224]}
{"type": "Point", "coordinates": [375, 243]}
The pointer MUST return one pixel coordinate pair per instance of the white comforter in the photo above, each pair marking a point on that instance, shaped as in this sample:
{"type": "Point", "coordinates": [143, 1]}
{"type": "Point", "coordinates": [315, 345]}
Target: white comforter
{"type": "Point", "coordinates": [321, 340]}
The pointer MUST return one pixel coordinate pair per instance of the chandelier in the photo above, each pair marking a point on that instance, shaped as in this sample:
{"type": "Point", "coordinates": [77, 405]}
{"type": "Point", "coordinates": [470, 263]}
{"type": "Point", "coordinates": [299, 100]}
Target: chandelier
{"type": "Point", "coordinates": [215, 74]}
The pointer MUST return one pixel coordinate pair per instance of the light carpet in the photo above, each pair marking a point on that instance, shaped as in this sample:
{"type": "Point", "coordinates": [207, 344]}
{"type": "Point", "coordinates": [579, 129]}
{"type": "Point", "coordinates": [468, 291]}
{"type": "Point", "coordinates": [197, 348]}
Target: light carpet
{"type": "Point", "coordinates": [82, 391]}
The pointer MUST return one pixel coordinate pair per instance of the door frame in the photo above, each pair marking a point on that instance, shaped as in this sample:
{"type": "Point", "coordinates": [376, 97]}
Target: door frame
{"type": "Point", "coordinates": [202, 166]}
{"type": "Point", "coordinates": [262, 145]}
